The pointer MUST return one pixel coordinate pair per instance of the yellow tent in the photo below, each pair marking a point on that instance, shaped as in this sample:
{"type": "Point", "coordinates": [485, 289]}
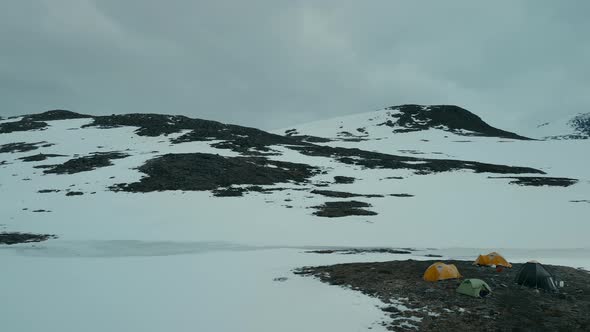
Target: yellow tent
{"type": "Point", "coordinates": [441, 271]}
{"type": "Point", "coordinates": [492, 258]}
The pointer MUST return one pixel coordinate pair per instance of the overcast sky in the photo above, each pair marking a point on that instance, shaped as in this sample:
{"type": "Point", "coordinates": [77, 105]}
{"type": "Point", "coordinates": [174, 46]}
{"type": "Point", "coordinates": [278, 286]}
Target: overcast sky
{"type": "Point", "coordinates": [275, 63]}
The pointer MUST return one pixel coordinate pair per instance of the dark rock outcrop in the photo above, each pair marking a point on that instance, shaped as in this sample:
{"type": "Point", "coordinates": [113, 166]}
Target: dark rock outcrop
{"type": "Point", "coordinates": [15, 238]}
{"type": "Point", "coordinates": [538, 181]}
{"type": "Point", "coordinates": [202, 171]}
{"type": "Point", "coordinates": [47, 191]}
{"type": "Point", "coordinates": [84, 164]}
{"type": "Point", "coordinates": [40, 157]}
{"type": "Point", "coordinates": [420, 165]}
{"type": "Point", "coordinates": [581, 124]}
{"type": "Point", "coordinates": [55, 115]}
{"type": "Point", "coordinates": [449, 117]}
{"type": "Point", "coordinates": [21, 125]}
{"type": "Point", "coordinates": [343, 179]}
{"type": "Point", "coordinates": [20, 147]}
{"type": "Point", "coordinates": [237, 138]}
{"type": "Point", "coordinates": [342, 194]}
{"type": "Point", "coordinates": [360, 251]}
{"type": "Point", "coordinates": [343, 209]}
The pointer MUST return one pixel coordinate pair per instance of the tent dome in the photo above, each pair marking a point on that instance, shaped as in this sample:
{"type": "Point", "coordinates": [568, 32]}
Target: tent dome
{"type": "Point", "coordinates": [535, 275]}
{"type": "Point", "coordinates": [474, 288]}
{"type": "Point", "coordinates": [441, 271]}
{"type": "Point", "coordinates": [492, 258]}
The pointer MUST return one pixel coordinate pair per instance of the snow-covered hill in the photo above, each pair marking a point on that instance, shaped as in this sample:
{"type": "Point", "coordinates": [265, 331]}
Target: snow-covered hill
{"type": "Point", "coordinates": [176, 168]}
{"type": "Point", "coordinates": [405, 119]}
{"type": "Point", "coordinates": [143, 186]}
{"type": "Point", "coordinates": [573, 127]}
{"type": "Point", "coordinates": [458, 134]}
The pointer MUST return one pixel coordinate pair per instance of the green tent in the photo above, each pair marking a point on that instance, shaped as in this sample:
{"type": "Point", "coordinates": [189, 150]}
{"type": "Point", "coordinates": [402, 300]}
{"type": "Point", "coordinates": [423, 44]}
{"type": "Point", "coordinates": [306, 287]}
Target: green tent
{"type": "Point", "coordinates": [474, 287]}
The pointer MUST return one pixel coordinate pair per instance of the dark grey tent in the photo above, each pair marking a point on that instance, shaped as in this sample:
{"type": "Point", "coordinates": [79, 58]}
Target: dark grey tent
{"type": "Point", "coordinates": [535, 275]}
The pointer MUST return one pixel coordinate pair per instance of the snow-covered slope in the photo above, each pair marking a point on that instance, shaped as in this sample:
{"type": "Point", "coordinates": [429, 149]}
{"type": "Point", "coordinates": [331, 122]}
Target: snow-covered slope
{"type": "Point", "coordinates": [572, 127]}
{"type": "Point", "coordinates": [173, 178]}
{"type": "Point", "coordinates": [404, 119]}
{"type": "Point", "coordinates": [236, 207]}
{"type": "Point", "coordinates": [440, 140]}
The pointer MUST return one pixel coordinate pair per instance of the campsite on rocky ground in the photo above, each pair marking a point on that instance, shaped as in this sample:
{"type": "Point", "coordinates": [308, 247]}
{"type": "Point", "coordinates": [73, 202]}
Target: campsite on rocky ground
{"type": "Point", "coordinates": [413, 303]}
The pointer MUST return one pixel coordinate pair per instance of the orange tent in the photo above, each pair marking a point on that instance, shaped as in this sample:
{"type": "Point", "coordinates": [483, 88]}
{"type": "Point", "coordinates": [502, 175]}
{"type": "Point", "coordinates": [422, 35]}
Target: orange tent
{"type": "Point", "coordinates": [441, 271]}
{"type": "Point", "coordinates": [492, 258]}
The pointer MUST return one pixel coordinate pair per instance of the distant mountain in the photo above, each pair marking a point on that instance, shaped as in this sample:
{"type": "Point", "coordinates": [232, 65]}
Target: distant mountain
{"type": "Point", "coordinates": [575, 127]}
{"type": "Point", "coordinates": [413, 118]}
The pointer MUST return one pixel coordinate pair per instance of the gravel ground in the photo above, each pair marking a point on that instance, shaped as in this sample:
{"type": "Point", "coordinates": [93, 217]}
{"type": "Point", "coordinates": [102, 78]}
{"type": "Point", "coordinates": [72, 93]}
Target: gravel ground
{"type": "Point", "coordinates": [414, 303]}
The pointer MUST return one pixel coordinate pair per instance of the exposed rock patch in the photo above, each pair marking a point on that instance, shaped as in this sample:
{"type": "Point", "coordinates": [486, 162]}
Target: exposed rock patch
{"type": "Point", "coordinates": [241, 145]}
{"type": "Point", "coordinates": [411, 151]}
{"type": "Point", "coordinates": [55, 115]}
{"type": "Point", "coordinates": [21, 125]}
{"type": "Point", "coordinates": [291, 132]}
{"type": "Point", "coordinates": [237, 138]}
{"type": "Point", "coordinates": [581, 124]}
{"type": "Point", "coordinates": [452, 118]}
{"type": "Point", "coordinates": [419, 165]}
{"type": "Point", "coordinates": [343, 209]}
{"type": "Point", "coordinates": [345, 134]}
{"type": "Point", "coordinates": [342, 194]}
{"type": "Point", "coordinates": [344, 179]}
{"type": "Point", "coordinates": [229, 192]}
{"type": "Point", "coordinates": [40, 157]}
{"type": "Point", "coordinates": [84, 164]}
{"type": "Point", "coordinates": [74, 193]}
{"type": "Point", "coordinates": [401, 195]}
{"type": "Point", "coordinates": [310, 139]}
{"type": "Point", "coordinates": [21, 147]}
{"type": "Point", "coordinates": [539, 181]}
{"type": "Point", "coordinates": [357, 251]}
{"type": "Point", "coordinates": [240, 191]}
{"type": "Point", "coordinates": [202, 171]}
{"type": "Point", "coordinates": [43, 166]}
{"type": "Point", "coordinates": [15, 238]}
{"type": "Point", "coordinates": [568, 137]}
{"type": "Point", "coordinates": [47, 191]}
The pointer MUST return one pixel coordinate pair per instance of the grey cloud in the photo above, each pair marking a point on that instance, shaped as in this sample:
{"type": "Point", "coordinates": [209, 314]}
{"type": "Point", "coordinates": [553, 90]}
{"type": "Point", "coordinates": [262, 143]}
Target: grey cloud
{"type": "Point", "coordinates": [274, 63]}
